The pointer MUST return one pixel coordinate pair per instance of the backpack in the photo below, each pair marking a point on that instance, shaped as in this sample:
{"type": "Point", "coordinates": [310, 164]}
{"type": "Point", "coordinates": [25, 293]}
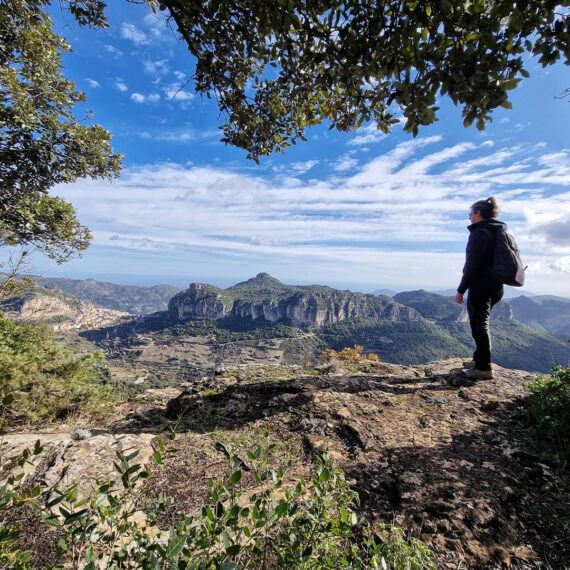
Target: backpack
{"type": "Point", "coordinates": [507, 266]}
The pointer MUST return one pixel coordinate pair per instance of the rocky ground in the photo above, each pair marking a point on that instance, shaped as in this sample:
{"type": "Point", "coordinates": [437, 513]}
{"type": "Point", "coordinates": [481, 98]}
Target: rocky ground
{"type": "Point", "coordinates": [447, 459]}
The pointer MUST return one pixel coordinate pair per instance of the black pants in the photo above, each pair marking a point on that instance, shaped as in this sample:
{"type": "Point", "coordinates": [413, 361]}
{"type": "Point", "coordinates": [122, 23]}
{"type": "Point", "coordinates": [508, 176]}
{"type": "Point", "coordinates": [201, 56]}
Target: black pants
{"type": "Point", "coordinates": [479, 305]}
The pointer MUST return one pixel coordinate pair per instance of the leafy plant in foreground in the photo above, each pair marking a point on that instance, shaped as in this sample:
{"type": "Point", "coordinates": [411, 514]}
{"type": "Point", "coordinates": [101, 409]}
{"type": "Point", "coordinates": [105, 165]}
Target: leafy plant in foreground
{"type": "Point", "coordinates": [549, 409]}
{"type": "Point", "coordinates": [303, 525]}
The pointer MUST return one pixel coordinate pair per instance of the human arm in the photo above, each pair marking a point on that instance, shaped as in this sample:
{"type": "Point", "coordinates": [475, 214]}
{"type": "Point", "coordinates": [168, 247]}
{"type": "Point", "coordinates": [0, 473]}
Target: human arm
{"type": "Point", "coordinates": [476, 255]}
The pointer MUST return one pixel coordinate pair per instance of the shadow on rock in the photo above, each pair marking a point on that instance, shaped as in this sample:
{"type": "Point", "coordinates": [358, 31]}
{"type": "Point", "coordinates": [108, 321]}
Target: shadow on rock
{"type": "Point", "coordinates": [483, 496]}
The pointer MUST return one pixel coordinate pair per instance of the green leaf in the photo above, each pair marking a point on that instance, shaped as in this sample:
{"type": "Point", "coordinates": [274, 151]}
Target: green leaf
{"type": "Point", "coordinates": [8, 400]}
{"type": "Point", "coordinates": [72, 495]}
{"type": "Point", "coordinates": [233, 550]}
{"type": "Point", "coordinates": [55, 501]}
{"type": "Point", "coordinates": [281, 508]}
{"type": "Point", "coordinates": [175, 545]}
{"type": "Point", "coordinates": [51, 521]}
{"type": "Point", "coordinates": [74, 517]}
{"type": "Point", "coordinates": [235, 477]}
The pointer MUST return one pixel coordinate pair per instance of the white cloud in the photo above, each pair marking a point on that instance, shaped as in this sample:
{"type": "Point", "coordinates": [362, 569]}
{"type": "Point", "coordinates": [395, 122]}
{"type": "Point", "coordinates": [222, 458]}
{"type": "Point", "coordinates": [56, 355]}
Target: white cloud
{"type": "Point", "coordinates": [93, 84]}
{"type": "Point", "coordinates": [121, 86]}
{"type": "Point", "coordinates": [156, 24]}
{"type": "Point", "coordinates": [400, 218]}
{"type": "Point", "coordinates": [138, 98]}
{"type": "Point", "coordinates": [158, 67]}
{"type": "Point", "coordinates": [183, 135]}
{"type": "Point", "coordinates": [302, 167]}
{"type": "Point", "coordinates": [345, 163]}
{"type": "Point", "coordinates": [366, 135]}
{"type": "Point", "coordinates": [177, 94]}
{"type": "Point", "coordinates": [113, 50]}
{"type": "Point", "coordinates": [131, 32]}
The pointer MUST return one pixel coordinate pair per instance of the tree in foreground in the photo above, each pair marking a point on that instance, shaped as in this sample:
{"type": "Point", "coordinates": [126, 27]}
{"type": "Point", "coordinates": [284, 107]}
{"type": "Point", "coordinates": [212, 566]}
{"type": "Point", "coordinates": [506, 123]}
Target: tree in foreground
{"type": "Point", "coordinates": [42, 142]}
{"type": "Point", "coordinates": [279, 67]}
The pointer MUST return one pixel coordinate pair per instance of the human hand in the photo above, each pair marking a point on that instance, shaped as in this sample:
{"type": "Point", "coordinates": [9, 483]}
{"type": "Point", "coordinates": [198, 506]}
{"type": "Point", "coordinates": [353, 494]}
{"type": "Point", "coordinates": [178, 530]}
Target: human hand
{"type": "Point", "coordinates": [459, 298]}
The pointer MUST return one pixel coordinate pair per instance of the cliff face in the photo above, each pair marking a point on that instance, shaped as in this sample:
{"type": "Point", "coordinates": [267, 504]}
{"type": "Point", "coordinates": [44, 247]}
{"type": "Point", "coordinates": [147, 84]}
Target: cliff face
{"type": "Point", "coordinates": [266, 298]}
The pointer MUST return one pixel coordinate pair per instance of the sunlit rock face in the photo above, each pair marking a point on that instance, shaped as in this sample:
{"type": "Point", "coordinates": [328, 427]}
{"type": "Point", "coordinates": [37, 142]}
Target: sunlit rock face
{"type": "Point", "coordinates": [264, 297]}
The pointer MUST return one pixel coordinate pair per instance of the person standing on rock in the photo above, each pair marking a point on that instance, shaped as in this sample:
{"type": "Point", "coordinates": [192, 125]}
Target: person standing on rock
{"type": "Point", "coordinates": [484, 290]}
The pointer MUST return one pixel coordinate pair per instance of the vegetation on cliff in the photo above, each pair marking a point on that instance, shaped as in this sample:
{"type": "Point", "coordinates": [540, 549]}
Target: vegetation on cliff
{"type": "Point", "coordinates": [265, 296]}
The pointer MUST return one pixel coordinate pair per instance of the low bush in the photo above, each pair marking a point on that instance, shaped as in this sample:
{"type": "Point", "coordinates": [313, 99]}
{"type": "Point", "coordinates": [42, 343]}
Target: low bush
{"type": "Point", "coordinates": [42, 380]}
{"type": "Point", "coordinates": [301, 525]}
{"type": "Point", "coordinates": [549, 410]}
{"type": "Point", "coordinates": [353, 354]}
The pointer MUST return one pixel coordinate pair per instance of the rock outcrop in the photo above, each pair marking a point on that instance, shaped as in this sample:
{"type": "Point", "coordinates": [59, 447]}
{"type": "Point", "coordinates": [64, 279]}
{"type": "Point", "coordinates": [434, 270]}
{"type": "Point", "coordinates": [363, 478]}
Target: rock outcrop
{"type": "Point", "coordinates": [60, 312]}
{"type": "Point", "coordinates": [446, 459]}
{"type": "Point", "coordinates": [264, 297]}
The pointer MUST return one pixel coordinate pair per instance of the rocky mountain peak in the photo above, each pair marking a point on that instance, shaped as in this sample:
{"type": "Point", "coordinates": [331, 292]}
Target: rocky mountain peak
{"type": "Point", "coordinates": [263, 278]}
{"type": "Point", "coordinates": [264, 297]}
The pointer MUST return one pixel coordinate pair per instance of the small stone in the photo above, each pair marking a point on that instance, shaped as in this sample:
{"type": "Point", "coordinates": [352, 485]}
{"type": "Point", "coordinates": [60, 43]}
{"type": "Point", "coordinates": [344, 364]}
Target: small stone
{"type": "Point", "coordinates": [80, 434]}
{"type": "Point", "coordinates": [489, 405]}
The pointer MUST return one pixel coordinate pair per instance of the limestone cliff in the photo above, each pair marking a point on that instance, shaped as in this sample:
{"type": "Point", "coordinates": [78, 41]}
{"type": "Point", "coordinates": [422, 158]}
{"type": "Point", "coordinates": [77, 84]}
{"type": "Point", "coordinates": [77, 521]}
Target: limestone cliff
{"type": "Point", "coordinates": [264, 297]}
{"type": "Point", "coordinates": [59, 311]}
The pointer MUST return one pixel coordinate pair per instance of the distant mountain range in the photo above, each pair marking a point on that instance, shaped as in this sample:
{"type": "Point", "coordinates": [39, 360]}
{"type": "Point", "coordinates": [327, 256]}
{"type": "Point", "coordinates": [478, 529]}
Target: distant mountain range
{"type": "Point", "coordinates": [261, 318]}
{"type": "Point", "coordinates": [59, 310]}
{"type": "Point", "coordinates": [133, 299]}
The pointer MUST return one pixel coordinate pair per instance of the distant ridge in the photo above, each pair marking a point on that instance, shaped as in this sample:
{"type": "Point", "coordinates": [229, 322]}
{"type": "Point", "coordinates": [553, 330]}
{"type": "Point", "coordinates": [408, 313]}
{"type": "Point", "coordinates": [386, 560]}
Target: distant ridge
{"type": "Point", "coordinates": [133, 299]}
{"type": "Point", "coordinates": [264, 297]}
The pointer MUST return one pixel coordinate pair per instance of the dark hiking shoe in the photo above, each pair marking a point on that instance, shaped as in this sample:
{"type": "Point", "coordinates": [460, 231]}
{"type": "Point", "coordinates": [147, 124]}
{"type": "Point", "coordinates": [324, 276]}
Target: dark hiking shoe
{"type": "Point", "coordinates": [468, 364]}
{"type": "Point", "coordinates": [475, 374]}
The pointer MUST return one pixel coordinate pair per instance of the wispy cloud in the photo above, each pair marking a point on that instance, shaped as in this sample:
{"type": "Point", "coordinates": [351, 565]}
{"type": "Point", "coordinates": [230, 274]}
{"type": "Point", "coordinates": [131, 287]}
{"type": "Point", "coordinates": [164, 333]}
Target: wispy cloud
{"type": "Point", "coordinates": [93, 84]}
{"type": "Point", "coordinates": [121, 85]}
{"type": "Point", "coordinates": [345, 162]}
{"type": "Point", "coordinates": [134, 34]}
{"type": "Point", "coordinates": [113, 50]}
{"type": "Point", "coordinates": [182, 135]}
{"type": "Point", "coordinates": [367, 135]}
{"type": "Point", "coordinates": [156, 24]}
{"type": "Point", "coordinates": [403, 209]}
{"type": "Point", "coordinates": [157, 67]}
{"type": "Point", "coordinates": [140, 98]}
{"type": "Point", "coordinates": [296, 168]}
{"type": "Point", "coordinates": [177, 92]}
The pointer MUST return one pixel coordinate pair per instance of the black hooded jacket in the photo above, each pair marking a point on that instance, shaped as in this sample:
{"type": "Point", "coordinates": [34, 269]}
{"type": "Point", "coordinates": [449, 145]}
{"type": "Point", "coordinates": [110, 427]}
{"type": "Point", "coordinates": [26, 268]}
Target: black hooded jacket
{"type": "Point", "coordinates": [479, 257]}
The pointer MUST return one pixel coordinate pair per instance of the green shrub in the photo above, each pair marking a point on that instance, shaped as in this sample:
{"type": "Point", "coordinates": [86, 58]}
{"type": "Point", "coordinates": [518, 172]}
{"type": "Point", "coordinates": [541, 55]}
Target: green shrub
{"type": "Point", "coordinates": [549, 410]}
{"type": "Point", "coordinates": [42, 380]}
{"type": "Point", "coordinates": [304, 525]}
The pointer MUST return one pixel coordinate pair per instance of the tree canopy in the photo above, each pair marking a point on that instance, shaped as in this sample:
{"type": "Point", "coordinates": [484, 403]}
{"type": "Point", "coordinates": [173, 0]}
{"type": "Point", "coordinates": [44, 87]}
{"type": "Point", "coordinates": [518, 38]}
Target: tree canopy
{"type": "Point", "coordinates": [276, 68]}
{"type": "Point", "coordinates": [42, 142]}
{"type": "Point", "coordinates": [279, 67]}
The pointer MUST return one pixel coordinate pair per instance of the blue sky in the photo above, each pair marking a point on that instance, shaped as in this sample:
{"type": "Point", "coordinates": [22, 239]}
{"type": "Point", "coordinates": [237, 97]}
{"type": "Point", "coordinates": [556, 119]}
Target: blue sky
{"type": "Point", "coordinates": [354, 210]}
